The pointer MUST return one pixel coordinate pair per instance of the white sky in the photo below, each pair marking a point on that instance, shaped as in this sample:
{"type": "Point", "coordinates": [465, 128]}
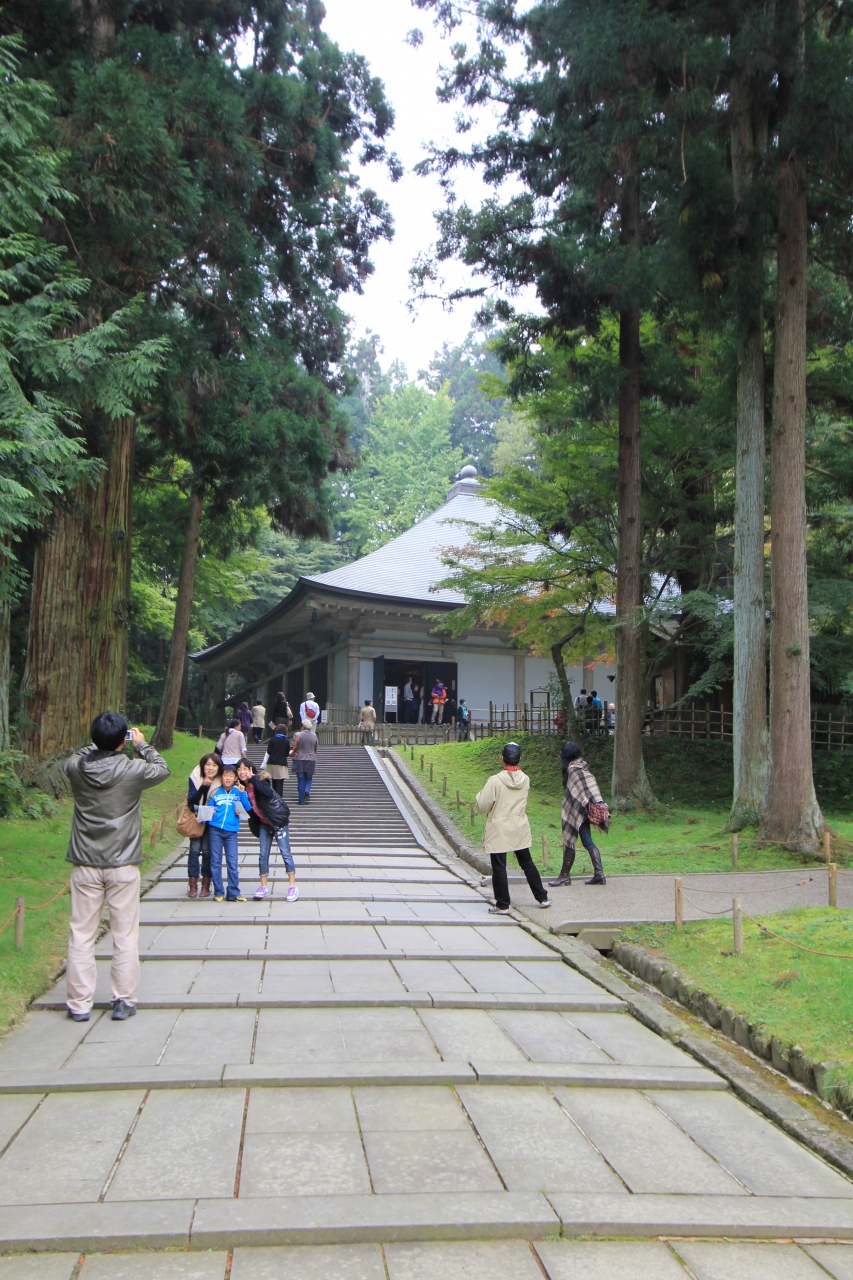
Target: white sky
{"type": "Point", "coordinates": [377, 29]}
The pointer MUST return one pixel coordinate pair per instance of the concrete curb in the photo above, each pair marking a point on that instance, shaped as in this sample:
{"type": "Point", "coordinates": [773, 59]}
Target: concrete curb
{"type": "Point", "coordinates": [474, 857]}
{"type": "Point", "coordinates": [746, 1083]}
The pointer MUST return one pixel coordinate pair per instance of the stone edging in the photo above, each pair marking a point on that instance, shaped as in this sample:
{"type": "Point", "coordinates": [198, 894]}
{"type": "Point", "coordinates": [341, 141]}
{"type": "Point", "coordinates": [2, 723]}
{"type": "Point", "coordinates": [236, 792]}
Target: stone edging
{"type": "Point", "coordinates": [746, 1083]}
{"type": "Point", "coordinates": [789, 1059]}
{"type": "Point", "coordinates": [474, 857]}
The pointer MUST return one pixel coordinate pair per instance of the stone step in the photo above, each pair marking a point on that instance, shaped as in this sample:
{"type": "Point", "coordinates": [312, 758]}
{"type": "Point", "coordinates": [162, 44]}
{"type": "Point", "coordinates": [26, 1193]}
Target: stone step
{"type": "Point", "coordinates": [357, 1075]}
{"type": "Point", "coordinates": [55, 1001]}
{"type": "Point", "coordinates": [393, 1218]}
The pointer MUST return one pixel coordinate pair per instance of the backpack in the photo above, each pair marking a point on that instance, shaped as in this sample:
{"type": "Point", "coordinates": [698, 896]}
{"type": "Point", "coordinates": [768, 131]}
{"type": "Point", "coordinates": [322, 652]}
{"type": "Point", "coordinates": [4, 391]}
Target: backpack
{"type": "Point", "coordinates": [273, 809]}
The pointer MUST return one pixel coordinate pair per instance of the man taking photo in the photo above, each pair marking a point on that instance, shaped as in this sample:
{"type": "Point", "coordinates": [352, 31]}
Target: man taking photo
{"type": "Point", "coordinates": [106, 850]}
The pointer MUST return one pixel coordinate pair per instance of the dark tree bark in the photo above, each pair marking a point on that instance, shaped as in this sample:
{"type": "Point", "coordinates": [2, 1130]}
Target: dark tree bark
{"type": "Point", "coordinates": [748, 139]}
{"type": "Point", "coordinates": [792, 815]}
{"type": "Point", "coordinates": [630, 784]}
{"type": "Point", "coordinates": [78, 630]}
{"type": "Point", "coordinates": [165, 731]}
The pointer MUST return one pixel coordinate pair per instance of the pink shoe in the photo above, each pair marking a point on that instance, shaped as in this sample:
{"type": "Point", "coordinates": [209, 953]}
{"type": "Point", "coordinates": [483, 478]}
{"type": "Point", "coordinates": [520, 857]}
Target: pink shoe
{"type": "Point", "coordinates": [292, 893]}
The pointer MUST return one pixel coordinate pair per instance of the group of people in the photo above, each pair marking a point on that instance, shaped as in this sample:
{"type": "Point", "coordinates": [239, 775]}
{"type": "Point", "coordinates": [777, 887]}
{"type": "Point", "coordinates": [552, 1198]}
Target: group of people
{"type": "Point", "coordinates": [410, 703]}
{"type": "Point", "coordinates": [594, 716]}
{"type": "Point", "coordinates": [504, 800]}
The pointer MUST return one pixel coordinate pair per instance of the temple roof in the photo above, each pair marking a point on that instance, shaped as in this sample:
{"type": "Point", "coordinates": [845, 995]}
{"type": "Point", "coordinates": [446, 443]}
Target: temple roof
{"type": "Point", "coordinates": [407, 567]}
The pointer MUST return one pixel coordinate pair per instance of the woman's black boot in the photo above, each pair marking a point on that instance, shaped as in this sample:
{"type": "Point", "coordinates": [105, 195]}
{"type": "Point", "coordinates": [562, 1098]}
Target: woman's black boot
{"type": "Point", "coordinates": [565, 876]}
{"type": "Point", "coordinates": [597, 869]}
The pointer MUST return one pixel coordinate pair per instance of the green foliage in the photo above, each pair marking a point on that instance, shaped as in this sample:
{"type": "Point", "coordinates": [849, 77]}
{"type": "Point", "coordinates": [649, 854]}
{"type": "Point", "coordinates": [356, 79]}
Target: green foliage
{"type": "Point", "coordinates": [16, 799]}
{"type": "Point", "coordinates": [404, 469]}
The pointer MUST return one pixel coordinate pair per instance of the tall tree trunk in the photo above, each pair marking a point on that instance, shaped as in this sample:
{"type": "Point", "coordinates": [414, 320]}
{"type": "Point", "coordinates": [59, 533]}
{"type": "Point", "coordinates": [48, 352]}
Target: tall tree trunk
{"type": "Point", "coordinates": [5, 640]}
{"type": "Point", "coordinates": [78, 631]}
{"type": "Point", "coordinates": [792, 815]}
{"type": "Point", "coordinates": [165, 731]}
{"type": "Point", "coordinates": [748, 138]}
{"type": "Point", "coordinates": [630, 784]}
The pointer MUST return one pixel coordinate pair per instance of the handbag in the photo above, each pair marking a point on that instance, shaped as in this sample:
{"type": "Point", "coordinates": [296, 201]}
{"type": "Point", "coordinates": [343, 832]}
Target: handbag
{"type": "Point", "coordinates": [597, 813]}
{"type": "Point", "coordinates": [188, 824]}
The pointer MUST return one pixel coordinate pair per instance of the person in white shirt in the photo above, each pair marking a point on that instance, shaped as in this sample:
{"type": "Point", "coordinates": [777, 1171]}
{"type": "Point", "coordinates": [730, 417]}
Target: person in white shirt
{"type": "Point", "coordinates": [309, 710]}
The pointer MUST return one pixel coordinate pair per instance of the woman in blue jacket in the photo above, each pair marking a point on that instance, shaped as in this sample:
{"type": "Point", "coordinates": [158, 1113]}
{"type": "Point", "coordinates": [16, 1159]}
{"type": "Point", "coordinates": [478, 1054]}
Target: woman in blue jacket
{"type": "Point", "coordinates": [222, 829]}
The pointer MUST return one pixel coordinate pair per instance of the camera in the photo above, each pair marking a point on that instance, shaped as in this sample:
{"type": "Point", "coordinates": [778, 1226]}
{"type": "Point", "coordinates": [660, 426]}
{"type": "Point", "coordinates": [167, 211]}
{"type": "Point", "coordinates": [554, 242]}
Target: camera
{"type": "Point", "coordinates": [128, 737]}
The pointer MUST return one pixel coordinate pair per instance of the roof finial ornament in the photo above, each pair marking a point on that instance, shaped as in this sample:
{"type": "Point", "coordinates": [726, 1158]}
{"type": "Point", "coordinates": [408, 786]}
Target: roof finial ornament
{"type": "Point", "coordinates": [465, 483]}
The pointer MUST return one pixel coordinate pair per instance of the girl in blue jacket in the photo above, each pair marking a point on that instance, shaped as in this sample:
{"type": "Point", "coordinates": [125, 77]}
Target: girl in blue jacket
{"type": "Point", "coordinates": [223, 828]}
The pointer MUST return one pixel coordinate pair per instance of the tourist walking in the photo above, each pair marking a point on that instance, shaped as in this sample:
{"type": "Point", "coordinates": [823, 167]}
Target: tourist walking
{"type": "Point", "coordinates": [504, 799]}
{"type": "Point", "coordinates": [281, 713]}
{"type": "Point", "coordinates": [367, 721]}
{"type": "Point", "coordinates": [223, 826]}
{"type": "Point", "coordinates": [463, 719]}
{"type": "Point", "coordinates": [244, 716]}
{"type": "Point", "coordinates": [611, 717]}
{"type": "Point", "coordinates": [268, 821]}
{"type": "Point", "coordinates": [276, 759]}
{"type": "Point", "coordinates": [231, 747]}
{"type": "Point", "coordinates": [105, 851]}
{"type": "Point", "coordinates": [259, 719]}
{"type": "Point", "coordinates": [309, 710]}
{"type": "Point", "coordinates": [439, 698]}
{"type": "Point", "coordinates": [583, 808]}
{"type": "Point", "coordinates": [303, 753]}
{"type": "Point", "coordinates": [203, 779]}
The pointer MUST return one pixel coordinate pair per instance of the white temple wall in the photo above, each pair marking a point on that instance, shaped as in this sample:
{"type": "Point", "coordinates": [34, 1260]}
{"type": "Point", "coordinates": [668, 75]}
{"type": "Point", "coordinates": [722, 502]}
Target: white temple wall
{"type": "Point", "coordinates": [483, 678]}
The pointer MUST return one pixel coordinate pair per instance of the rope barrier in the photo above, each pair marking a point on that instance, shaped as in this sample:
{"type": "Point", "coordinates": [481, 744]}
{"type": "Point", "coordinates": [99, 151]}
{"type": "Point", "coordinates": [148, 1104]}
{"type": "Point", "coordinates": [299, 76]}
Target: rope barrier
{"type": "Point", "coordinates": [832, 955]}
{"type": "Point", "coordinates": [743, 892]}
{"type": "Point", "coordinates": [5, 926]}
{"type": "Point", "coordinates": [698, 908]}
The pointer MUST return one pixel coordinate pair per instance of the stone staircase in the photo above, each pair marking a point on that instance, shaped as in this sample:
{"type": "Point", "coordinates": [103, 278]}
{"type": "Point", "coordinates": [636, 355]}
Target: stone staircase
{"type": "Point", "coordinates": [381, 1080]}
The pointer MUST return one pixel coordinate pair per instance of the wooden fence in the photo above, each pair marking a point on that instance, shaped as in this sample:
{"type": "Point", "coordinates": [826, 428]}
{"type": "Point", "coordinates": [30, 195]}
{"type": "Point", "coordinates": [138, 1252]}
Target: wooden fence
{"type": "Point", "coordinates": [831, 730]}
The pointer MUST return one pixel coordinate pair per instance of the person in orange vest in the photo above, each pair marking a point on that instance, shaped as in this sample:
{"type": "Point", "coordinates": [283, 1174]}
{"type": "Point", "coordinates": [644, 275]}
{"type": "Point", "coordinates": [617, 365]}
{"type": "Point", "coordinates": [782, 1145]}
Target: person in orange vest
{"type": "Point", "coordinates": [439, 697]}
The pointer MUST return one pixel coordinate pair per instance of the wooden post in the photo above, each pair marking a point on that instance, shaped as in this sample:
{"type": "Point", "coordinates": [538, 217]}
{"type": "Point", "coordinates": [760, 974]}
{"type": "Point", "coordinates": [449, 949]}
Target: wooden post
{"type": "Point", "coordinates": [734, 850]}
{"type": "Point", "coordinates": [458, 801]}
{"type": "Point", "coordinates": [199, 730]}
{"type": "Point", "coordinates": [154, 835]}
{"type": "Point", "coordinates": [422, 764]}
{"type": "Point", "coordinates": [444, 785]}
{"type": "Point", "coordinates": [472, 814]}
{"type": "Point", "coordinates": [737, 926]}
{"type": "Point", "coordinates": [679, 904]}
{"type": "Point", "coordinates": [833, 884]}
{"type": "Point", "coordinates": [19, 922]}
{"type": "Point", "coordinates": [544, 853]}
{"type": "Point", "coordinates": [827, 853]}
{"type": "Point", "coordinates": [411, 751]}
{"type": "Point", "coordinates": [430, 770]}
{"type": "Point", "coordinates": [692, 723]}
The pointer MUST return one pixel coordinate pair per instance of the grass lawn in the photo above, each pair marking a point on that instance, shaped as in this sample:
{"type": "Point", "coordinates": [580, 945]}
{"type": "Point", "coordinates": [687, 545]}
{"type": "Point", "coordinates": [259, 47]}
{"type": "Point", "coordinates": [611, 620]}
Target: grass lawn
{"type": "Point", "coordinates": [684, 833]}
{"type": "Point", "coordinates": [33, 866]}
{"type": "Point", "coordinates": [800, 998]}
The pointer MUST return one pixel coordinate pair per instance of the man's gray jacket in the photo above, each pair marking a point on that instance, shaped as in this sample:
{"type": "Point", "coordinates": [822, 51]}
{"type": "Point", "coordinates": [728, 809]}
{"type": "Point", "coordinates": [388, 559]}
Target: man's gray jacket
{"type": "Point", "coordinates": [106, 830]}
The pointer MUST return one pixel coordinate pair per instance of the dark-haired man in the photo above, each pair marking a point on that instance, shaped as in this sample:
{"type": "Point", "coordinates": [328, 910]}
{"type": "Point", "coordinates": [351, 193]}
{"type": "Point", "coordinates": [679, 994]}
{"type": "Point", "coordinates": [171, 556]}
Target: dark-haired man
{"type": "Point", "coordinates": [106, 850]}
{"type": "Point", "coordinates": [504, 799]}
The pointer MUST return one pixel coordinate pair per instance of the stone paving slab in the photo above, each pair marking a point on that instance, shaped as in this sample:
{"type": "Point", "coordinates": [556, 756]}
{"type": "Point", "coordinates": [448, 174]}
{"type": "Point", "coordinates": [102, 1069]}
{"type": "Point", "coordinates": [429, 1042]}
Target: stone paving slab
{"type": "Point", "coordinates": [611, 1260]}
{"type": "Point", "coordinates": [743, 1261]}
{"type": "Point", "coordinates": [361, 1219]}
{"type": "Point", "coordinates": [56, 1266]}
{"type": "Point", "coordinates": [704, 1215]}
{"type": "Point", "coordinates": [837, 1259]}
{"type": "Point", "coordinates": [468, 1260]}
{"type": "Point", "coordinates": [146, 1266]}
{"type": "Point", "coordinates": [310, 1262]}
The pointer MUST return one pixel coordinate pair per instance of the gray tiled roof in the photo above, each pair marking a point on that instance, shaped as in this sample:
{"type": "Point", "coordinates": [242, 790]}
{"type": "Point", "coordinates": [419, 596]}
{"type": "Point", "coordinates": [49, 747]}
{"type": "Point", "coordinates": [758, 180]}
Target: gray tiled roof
{"type": "Point", "coordinates": [408, 566]}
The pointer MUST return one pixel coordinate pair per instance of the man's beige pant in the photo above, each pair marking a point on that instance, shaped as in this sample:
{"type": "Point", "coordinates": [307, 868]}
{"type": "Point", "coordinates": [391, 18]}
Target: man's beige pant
{"type": "Point", "coordinates": [89, 887]}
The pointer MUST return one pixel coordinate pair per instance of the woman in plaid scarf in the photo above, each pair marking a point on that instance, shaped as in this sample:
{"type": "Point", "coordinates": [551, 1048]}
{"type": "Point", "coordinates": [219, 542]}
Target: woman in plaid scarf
{"type": "Point", "coordinates": [580, 790]}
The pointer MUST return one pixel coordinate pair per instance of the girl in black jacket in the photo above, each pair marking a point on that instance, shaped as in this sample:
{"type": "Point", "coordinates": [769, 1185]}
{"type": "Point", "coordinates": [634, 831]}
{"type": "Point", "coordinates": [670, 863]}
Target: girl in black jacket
{"type": "Point", "coordinates": [258, 790]}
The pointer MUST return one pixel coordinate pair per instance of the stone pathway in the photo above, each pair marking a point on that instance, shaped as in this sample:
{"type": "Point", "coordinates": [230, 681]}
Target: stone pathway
{"type": "Point", "coordinates": [382, 1082]}
{"type": "Point", "coordinates": [628, 899]}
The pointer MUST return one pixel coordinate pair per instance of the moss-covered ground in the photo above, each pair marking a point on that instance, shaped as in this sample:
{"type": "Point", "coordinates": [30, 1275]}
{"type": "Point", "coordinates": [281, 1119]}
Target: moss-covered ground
{"type": "Point", "coordinates": [33, 866]}
{"type": "Point", "coordinates": [799, 997]}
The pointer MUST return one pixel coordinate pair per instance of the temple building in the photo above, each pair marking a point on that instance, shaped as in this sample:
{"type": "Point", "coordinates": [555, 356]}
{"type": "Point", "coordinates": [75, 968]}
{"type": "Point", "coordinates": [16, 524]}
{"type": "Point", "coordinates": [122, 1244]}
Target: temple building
{"type": "Point", "coordinates": [365, 629]}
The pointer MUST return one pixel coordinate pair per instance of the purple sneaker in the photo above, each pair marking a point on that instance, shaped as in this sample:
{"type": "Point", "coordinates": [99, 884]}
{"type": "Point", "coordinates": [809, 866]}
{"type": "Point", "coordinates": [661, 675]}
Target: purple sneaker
{"type": "Point", "coordinates": [261, 891]}
{"type": "Point", "coordinates": [292, 893]}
